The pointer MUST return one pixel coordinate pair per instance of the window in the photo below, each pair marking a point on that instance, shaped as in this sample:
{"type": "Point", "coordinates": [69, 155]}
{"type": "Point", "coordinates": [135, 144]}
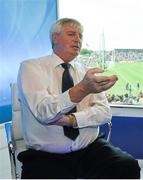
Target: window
{"type": "Point", "coordinates": [113, 41]}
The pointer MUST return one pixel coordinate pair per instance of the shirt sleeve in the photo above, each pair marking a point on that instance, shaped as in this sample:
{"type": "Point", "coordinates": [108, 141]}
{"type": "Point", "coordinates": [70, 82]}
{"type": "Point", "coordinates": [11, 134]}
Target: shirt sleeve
{"type": "Point", "coordinates": [94, 113]}
{"type": "Point", "coordinates": [94, 109]}
{"type": "Point", "coordinates": [33, 93]}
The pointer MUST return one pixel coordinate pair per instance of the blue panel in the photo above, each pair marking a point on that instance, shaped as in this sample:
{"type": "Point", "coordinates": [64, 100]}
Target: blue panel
{"type": "Point", "coordinates": [127, 133]}
{"type": "Point", "coordinates": [5, 113]}
{"type": "Point", "coordinates": [24, 34]}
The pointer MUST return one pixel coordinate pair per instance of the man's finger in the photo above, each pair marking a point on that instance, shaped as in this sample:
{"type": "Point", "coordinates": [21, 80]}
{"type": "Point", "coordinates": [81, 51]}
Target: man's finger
{"type": "Point", "coordinates": [96, 70]}
{"type": "Point", "coordinates": [108, 85]}
{"type": "Point", "coordinates": [100, 79]}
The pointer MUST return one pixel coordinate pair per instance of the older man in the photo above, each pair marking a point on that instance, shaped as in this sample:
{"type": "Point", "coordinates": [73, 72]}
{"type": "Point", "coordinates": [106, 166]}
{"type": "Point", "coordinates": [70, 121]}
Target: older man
{"type": "Point", "coordinates": [63, 106]}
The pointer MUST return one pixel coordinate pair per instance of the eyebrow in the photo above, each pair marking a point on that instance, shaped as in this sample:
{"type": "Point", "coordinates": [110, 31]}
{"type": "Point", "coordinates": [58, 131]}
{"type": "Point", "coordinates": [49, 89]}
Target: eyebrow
{"type": "Point", "coordinates": [74, 32]}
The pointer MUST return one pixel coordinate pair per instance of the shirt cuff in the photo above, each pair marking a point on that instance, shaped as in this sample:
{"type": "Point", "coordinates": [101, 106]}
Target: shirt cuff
{"type": "Point", "coordinates": [83, 120]}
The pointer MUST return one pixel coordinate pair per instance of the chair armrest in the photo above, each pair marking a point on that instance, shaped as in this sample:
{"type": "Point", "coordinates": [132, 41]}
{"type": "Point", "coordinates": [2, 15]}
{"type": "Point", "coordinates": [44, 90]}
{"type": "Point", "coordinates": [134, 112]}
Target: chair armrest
{"type": "Point", "coordinates": [109, 132]}
{"type": "Point", "coordinates": [106, 129]}
{"type": "Point", "coordinates": [11, 149]}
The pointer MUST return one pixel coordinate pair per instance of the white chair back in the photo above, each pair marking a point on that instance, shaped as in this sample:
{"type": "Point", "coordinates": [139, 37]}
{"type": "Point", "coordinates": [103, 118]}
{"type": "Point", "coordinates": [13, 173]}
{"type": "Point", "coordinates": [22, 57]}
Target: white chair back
{"type": "Point", "coordinates": [17, 134]}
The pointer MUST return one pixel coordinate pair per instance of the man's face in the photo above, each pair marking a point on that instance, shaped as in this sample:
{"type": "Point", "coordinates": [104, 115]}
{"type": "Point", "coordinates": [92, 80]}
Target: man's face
{"type": "Point", "coordinates": [68, 42]}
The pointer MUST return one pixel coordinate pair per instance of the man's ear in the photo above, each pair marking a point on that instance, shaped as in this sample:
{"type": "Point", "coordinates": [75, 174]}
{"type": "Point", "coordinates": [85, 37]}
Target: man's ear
{"type": "Point", "coordinates": [55, 38]}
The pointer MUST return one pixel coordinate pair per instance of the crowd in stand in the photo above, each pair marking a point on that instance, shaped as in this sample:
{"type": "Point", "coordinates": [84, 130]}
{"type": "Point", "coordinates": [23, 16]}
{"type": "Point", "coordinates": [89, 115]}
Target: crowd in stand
{"type": "Point", "coordinates": [128, 54]}
{"type": "Point", "coordinates": [126, 99]}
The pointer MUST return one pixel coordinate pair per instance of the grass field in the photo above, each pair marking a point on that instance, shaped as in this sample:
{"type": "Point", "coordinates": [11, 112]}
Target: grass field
{"type": "Point", "coordinates": [127, 72]}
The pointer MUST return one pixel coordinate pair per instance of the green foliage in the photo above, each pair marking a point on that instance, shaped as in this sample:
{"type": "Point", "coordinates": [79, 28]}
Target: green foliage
{"type": "Point", "coordinates": [86, 52]}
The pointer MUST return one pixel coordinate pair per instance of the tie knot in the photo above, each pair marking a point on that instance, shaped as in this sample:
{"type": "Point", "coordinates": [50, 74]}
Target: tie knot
{"type": "Point", "coordinates": [65, 66]}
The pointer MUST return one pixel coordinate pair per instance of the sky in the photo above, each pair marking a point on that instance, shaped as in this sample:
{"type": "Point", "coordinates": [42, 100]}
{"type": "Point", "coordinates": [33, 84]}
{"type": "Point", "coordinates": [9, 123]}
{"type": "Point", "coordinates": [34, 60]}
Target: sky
{"type": "Point", "coordinates": [120, 22]}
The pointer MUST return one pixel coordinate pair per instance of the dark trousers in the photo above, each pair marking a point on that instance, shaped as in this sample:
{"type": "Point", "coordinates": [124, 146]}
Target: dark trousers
{"type": "Point", "coordinates": [100, 160]}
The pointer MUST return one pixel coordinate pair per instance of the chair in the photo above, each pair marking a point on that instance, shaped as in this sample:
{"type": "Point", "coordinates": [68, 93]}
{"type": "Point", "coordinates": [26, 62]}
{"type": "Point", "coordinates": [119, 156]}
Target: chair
{"type": "Point", "coordinates": [14, 134]}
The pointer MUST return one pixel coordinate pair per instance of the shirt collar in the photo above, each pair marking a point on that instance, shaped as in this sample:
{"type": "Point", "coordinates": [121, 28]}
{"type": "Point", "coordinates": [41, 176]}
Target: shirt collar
{"type": "Point", "coordinates": [56, 61]}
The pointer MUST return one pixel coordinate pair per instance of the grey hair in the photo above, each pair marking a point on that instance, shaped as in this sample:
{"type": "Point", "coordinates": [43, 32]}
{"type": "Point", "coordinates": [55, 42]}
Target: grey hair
{"type": "Point", "coordinates": [56, 27]}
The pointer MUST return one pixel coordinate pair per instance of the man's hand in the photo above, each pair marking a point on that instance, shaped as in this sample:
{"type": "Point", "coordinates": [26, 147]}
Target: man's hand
{"type": "Point", "coordinates": [67, 120]}
{"type": "Point", "coordinates": [91, 83]}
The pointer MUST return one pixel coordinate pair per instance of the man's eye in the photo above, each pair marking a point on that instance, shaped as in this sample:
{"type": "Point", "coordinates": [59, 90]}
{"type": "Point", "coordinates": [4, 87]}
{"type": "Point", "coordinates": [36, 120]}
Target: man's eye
{"type": "Point", "coordinates": [70, 34]}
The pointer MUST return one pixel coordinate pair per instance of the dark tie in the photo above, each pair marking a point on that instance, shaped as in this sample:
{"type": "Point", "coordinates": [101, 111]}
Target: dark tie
{"type": "Point", "coordinates": [67, 83]}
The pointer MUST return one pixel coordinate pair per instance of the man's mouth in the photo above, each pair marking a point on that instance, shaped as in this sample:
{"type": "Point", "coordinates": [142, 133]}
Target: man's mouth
{"type": "Point", "coordinates": [76, 47]}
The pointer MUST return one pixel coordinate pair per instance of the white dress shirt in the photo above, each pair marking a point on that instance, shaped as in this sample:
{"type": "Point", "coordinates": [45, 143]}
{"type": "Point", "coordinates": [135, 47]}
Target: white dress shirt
{"type": "Point", "coordinates": [39, 85]}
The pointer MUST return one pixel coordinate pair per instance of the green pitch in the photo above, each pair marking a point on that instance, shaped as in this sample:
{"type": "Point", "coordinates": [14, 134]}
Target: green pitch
{"type": "Point", "coordinates": [127, 72]}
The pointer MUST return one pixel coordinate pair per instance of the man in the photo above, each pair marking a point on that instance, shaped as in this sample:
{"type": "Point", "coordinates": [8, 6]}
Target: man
{"type": "Point", "coordinates": [63, 106]}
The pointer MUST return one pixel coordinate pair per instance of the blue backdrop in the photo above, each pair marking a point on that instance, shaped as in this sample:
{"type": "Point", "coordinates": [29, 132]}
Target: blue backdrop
{"type": "Point", "coordinates": [127, 134]}
{"type": "Point", "coordinates": [24, 34]}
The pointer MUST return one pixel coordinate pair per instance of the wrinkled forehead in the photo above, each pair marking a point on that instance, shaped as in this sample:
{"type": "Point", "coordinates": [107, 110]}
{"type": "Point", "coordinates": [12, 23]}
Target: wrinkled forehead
{"type": "Point", "coordinates": [72, 27]}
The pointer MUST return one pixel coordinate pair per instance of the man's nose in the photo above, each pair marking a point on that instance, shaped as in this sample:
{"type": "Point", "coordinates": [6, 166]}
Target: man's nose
{"type": "Point", "coordinates": [77, 38]}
